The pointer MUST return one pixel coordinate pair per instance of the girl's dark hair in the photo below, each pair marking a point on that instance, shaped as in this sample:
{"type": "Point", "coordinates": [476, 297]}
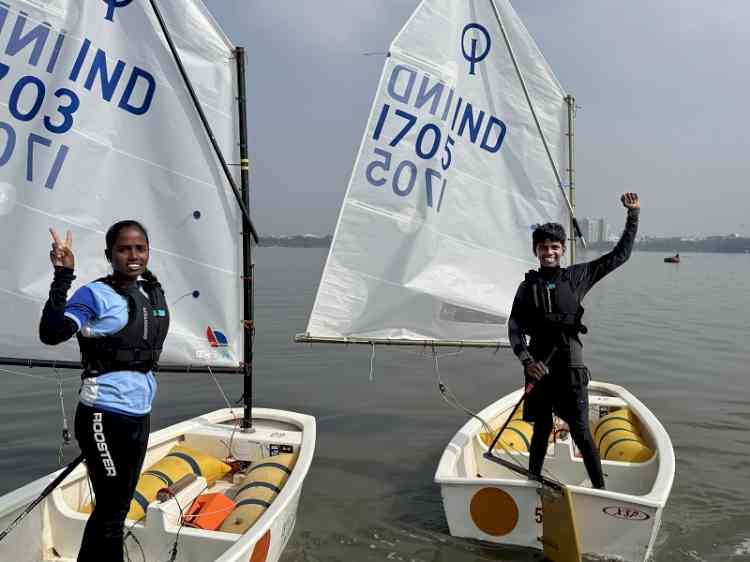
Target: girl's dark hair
{"type": "Point", "coordinates": [111, 237]}
{"type": "Point", "coordinates": [150, 280]}
{"type": "Point", "coordinates": [552, 231]}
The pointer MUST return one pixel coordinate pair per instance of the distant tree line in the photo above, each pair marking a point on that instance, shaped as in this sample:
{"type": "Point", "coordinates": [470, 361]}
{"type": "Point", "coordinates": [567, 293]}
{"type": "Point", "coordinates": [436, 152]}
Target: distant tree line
{"type": "Point", "coordinates": [718, 244]}
{"type": "Point", "coordinates": [298, 241]}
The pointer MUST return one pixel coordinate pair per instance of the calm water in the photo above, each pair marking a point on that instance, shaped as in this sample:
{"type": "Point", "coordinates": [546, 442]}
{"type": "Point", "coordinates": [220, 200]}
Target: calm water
{"type": "Point", "coordinates": [674, 335]}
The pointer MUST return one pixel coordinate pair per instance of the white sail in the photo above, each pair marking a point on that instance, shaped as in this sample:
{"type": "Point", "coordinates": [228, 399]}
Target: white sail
{"type": "Point", "coordinates": [434, 233]}
{"type": "Point", "coordinates": [96, 126]}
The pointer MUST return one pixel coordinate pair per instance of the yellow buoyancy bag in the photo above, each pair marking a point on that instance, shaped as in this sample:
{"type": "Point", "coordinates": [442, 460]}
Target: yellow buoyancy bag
{"type": "Point", "coordinates": [618, 437]}
{"type": "Point", "coordinates": [260, 487]}
{"type": "Point", "coordinates": [516, 436]}
{"type": "Point", "coordinates": [627, 450]}
{"type": "Point", "coordinates": [176, 464]}
{"type": "Point", "coordinates": [622, 419]}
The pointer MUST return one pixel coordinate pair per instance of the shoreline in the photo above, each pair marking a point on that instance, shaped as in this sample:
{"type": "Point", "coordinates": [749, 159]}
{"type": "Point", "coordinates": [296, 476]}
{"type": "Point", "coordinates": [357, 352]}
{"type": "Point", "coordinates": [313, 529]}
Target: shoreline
{"type": "Point", "coordinates": [715, 245]}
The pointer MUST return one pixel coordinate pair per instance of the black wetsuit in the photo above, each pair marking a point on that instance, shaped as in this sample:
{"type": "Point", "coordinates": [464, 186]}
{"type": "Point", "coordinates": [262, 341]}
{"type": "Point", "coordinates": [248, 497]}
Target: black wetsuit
{"type": "Point", "coordinates": [113, 443]}
{"type": "Point", "coordinates": [563, 390]}
{"type": "Point", "coordinates": [114, 447]}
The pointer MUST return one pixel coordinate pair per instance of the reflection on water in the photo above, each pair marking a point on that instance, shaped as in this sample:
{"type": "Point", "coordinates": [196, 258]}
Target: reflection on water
{"type": "Point", "coordinates": [674, 335]}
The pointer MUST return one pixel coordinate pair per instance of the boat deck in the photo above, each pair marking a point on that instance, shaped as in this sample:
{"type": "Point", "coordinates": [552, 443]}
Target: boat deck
{"type": "Point", "coordinates": [564, 463]}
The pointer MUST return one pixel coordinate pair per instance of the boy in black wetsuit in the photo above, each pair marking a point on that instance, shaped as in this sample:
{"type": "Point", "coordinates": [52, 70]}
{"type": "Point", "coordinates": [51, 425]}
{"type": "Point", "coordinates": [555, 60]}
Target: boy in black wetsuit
{"type": "Point", "coordinates": [547, 308]}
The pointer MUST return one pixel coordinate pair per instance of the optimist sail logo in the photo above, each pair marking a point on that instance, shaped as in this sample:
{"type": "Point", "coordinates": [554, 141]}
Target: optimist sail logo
{"type": "Point", "coordinates": [218, 341]}
{"type": "Point", "coordinates": [112, 5]}
{"type": "Point", "coordinates": [475, 44]}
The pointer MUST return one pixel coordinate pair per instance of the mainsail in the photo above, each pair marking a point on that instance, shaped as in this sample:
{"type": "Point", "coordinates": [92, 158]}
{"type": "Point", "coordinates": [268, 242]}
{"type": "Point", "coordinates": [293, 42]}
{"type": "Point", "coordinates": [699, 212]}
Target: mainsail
{"type": "Point", "coordinates": [451, 177]}
{"type": "Point", "coordinates": [96, 125]}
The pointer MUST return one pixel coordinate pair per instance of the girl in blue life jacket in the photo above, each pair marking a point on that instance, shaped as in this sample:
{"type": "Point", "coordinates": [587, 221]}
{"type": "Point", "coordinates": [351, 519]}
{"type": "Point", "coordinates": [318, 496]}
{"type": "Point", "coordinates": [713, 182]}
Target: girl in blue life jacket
{"type": "Point", "coordinates": [120, 321]}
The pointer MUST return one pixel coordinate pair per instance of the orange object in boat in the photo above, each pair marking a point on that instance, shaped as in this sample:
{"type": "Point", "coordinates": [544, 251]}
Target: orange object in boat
{"type": "Point", "coordinates": [209, 511]}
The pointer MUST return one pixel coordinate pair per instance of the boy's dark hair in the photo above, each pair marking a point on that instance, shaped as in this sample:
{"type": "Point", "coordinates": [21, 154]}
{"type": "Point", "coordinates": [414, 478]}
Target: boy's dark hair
{"type": "Point", "coordinates": [553, 231]}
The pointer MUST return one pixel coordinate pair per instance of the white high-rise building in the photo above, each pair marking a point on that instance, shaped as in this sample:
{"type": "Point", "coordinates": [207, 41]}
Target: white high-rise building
{"type": "Point", "coordinates": [594, 229]}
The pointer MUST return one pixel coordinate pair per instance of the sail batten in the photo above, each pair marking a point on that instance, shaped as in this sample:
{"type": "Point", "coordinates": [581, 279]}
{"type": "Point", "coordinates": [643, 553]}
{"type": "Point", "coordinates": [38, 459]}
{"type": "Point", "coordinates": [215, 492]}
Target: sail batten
{"type": "Point", "coordinates": [451, 177]}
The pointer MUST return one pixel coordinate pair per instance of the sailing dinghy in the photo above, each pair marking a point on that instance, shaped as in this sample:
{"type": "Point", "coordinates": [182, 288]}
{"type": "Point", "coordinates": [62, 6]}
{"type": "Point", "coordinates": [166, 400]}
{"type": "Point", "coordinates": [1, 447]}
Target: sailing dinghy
{"type": "Point", "coordinates": [459, 162]}
{"type": "Point", "coordinates": [135, 109]}
{"type": "Point", "coordinates": [496, 502]}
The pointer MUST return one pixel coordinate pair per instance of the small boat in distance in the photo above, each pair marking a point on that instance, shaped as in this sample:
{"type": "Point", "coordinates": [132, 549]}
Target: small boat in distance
{"type": "Point", "coordinates": [672, 259]}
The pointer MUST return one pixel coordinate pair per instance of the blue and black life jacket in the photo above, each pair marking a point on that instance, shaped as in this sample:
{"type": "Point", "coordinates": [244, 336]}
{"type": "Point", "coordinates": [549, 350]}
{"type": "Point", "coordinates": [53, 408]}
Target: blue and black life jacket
{"type": "Point", "coordinates": [138, 345]}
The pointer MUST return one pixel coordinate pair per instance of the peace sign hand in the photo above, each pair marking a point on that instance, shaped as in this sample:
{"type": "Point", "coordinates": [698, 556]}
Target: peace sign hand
{"type": "Point", "coordinates": [61, 254]}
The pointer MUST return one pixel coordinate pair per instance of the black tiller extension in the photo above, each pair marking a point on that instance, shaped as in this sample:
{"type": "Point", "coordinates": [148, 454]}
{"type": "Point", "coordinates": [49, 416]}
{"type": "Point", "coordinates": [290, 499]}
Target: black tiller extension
{"type": "Point", "coordinates": [46, 492]}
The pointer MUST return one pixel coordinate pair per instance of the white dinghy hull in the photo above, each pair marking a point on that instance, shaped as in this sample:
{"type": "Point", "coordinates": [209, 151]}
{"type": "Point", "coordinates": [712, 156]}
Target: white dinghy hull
{"type": "Point", "coordinates": [486, 501]}
{"type": "Point", "coordinates": [52, 531]}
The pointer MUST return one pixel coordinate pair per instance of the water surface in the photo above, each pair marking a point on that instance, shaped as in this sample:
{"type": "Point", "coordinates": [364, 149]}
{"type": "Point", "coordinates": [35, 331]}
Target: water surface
{"type": "Point", "coordinates": [674, 335]}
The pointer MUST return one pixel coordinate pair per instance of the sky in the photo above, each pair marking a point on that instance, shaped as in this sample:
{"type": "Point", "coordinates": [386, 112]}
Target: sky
{"type": "Point", "coordinates": [661, 89]}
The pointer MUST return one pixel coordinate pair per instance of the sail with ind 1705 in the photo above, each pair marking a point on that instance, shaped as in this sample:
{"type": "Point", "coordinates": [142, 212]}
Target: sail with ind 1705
{"type": "Point", "coordinates": [435, 230]}
{"type": "Point", "coordinates": [96, 126]}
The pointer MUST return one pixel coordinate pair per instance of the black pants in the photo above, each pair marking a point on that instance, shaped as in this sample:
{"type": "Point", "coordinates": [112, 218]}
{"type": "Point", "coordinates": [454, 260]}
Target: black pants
{"type": "Point", "coordinates": [564, 391]}
{"type": "Point", "coordinates": [113, 446]}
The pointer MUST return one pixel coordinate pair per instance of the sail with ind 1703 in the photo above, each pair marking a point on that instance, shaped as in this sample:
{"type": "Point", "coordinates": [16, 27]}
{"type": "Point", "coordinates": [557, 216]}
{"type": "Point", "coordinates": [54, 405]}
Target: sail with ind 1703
{"type": "Point", "coordinates": [434, 234]}
{"type": "Point", "coordinates": [96, 126]}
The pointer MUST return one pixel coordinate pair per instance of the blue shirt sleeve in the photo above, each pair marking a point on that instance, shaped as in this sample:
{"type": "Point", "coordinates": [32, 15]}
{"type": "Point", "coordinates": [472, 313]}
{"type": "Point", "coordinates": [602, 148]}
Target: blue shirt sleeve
{"type": "Point", "coordinates": [82, 306]}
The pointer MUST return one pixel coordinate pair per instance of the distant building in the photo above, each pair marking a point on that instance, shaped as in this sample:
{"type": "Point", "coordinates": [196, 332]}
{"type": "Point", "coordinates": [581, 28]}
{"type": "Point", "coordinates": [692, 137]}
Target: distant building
{"type": "Point", "coordinates": [585, 224]}
{"type": "Point", "coordinates": [594, 229]}
{"type": "Point", "coordinates": [603, 230]}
